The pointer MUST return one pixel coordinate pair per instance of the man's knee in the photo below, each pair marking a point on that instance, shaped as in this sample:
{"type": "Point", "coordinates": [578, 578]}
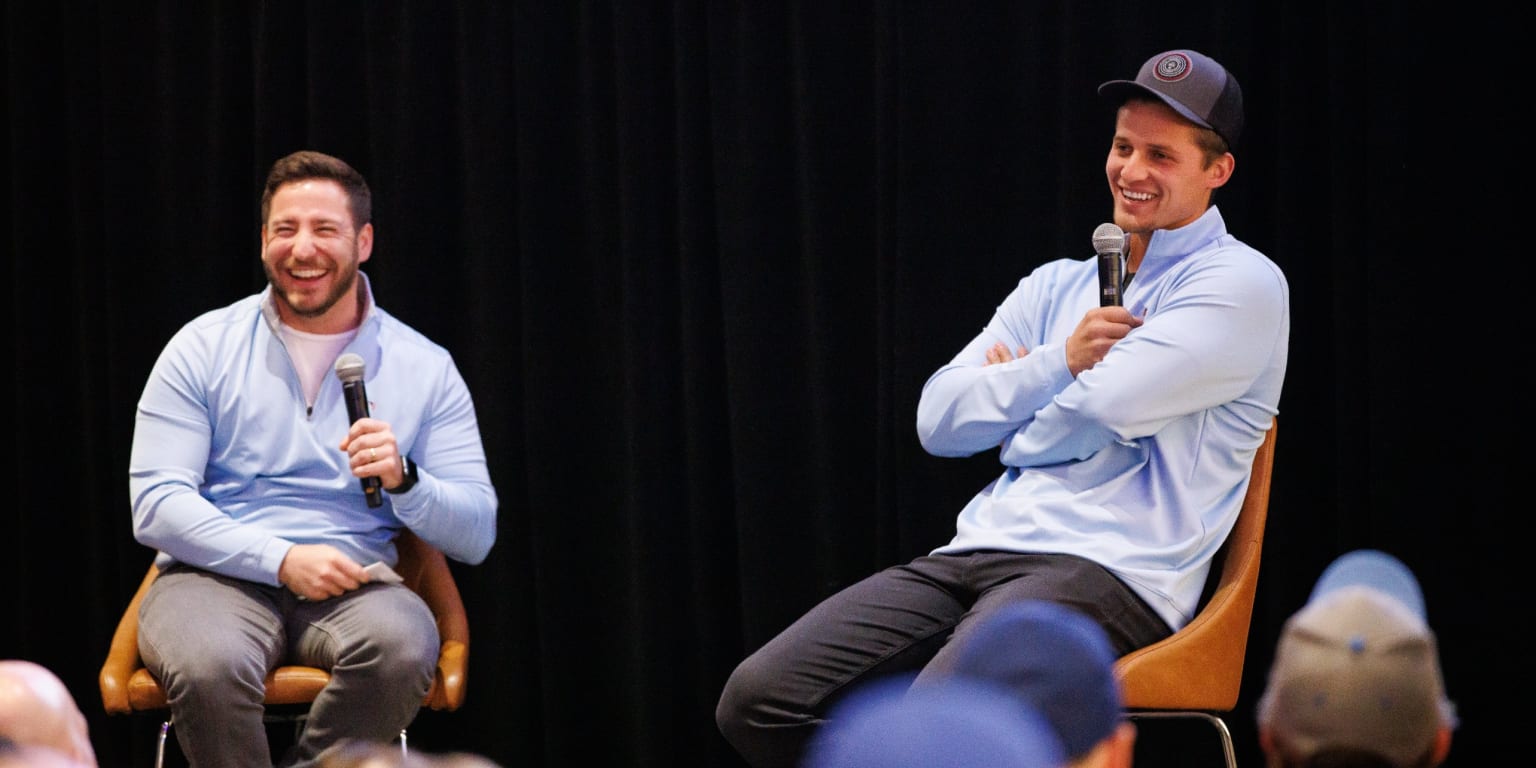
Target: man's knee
{"type": "Point", "coordinates": [737, 699]}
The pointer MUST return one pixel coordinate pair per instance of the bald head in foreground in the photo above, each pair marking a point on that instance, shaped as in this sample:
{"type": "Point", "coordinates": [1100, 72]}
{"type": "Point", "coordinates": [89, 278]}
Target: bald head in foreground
{"type": "Point", "coordinates": [37, 710]}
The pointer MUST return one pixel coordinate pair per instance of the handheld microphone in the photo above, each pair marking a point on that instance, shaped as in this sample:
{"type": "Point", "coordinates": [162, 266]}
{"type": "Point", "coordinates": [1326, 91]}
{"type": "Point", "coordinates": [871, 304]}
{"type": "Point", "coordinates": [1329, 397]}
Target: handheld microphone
{"type": "Point", "coordinates": [349, 368]}
{"type": "Point", "coordinates": [1109, 243]}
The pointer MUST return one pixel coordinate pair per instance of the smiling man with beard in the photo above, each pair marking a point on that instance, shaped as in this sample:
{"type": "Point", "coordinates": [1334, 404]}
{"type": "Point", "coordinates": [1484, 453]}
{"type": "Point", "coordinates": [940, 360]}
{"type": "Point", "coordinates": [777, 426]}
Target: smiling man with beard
{"type": "Point", "coordinates": [244, 476]}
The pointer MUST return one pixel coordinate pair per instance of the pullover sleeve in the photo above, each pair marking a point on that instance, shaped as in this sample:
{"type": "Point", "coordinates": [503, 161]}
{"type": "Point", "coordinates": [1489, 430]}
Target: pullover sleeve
{"type": "Point", "coordinates": [1212, 333]}
{"type": "Point", "coordinates": [968, 406]}
{"type": "Point", "coordinates": [172, 440]}
{"type": "Point", "coordinates": [453, 505]}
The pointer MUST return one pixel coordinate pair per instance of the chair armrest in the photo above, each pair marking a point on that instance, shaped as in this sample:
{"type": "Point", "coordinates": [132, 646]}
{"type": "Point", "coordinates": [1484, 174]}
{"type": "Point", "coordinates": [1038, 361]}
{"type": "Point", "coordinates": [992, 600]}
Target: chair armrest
{"type": "Point", "coordinates": [452, 672]}
{"type": "Point", "coordinates": [123, 655]}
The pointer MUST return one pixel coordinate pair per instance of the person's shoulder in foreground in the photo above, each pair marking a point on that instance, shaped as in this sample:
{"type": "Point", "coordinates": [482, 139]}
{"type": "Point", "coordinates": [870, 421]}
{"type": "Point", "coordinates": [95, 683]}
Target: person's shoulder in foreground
{"type": "Point", "coordinates": [961, 723]}
{"type": "Point", "coordinates": [1356, 678]}
{"type": "Point", "coordinates": [1060, 662]}
{"type": "Point", "coordinates": [37, 710]}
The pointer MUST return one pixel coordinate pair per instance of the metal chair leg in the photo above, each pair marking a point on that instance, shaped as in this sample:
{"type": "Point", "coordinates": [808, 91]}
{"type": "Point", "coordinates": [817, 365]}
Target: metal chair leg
{"type": "Point", "coordinates": [298, 730]}
{"type": "Point", "coordinates": [1227, 750]}
{"type": "Point", "coordinates": [165, 729]}
{"type": "Point", "coordinates": [299, 722]}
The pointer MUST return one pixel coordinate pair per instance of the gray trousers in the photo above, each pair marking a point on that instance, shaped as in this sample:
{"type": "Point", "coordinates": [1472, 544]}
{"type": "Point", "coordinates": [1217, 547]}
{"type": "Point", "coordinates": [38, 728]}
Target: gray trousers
{"type": "Point", "coordinates": [210, 640]}
{"type": "Point", "coordinates": [902, 620]}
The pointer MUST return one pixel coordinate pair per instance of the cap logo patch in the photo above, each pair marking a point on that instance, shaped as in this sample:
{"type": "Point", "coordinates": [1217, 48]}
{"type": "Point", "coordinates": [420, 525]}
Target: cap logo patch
{"type": "Point", "coordinates": [1172, 68]}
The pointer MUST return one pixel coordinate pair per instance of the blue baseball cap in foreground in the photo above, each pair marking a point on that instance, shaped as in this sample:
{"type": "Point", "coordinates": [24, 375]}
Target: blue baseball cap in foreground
{"type": "Point", "coordinates": [1055, 658]}
{"type": "Point", "coordinates": [958, 723]}
{"type": "Point", "coordinates": [1357, 667]}
{"type": "Point", "coordinates": [1194, 85]}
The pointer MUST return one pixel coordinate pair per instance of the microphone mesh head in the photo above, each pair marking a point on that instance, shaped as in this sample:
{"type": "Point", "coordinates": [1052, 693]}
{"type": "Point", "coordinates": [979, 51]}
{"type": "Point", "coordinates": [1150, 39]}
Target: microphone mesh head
{"type": "Point", "coordinates": [349, 367]}
{"type": "Point", "coordinates": [1108, 238]}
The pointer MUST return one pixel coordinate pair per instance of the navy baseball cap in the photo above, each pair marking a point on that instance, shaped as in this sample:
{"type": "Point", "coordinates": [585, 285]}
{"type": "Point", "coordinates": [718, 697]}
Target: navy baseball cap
{"type": "Point", "coordinates": [1057, 660]}
{"type": "Point", "coordinates": [886, 724]}
{"type": "Point", "coordinates": [1194, 85]}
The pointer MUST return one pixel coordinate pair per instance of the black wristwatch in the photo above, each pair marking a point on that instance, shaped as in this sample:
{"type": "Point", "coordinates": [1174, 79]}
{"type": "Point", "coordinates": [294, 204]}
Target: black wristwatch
{"type": "Point", "coordinates": [407, 467]}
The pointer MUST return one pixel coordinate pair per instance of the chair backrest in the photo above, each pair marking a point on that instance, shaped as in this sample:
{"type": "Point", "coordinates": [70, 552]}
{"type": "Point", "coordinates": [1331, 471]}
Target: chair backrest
{"type": "Point", "coordinates": [126, 686]}
{"type": "Point", "coordinates": [1200, 667]}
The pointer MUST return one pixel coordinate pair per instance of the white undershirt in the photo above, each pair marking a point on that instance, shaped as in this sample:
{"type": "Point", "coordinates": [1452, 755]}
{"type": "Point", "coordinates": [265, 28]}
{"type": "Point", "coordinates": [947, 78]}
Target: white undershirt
{"type": "Point", "coordinates": [313, 354]}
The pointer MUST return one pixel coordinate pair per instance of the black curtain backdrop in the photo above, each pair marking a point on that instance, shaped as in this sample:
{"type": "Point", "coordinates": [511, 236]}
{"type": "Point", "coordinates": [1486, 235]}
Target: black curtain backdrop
{"type": "Point", "coordinates": [696, 260]}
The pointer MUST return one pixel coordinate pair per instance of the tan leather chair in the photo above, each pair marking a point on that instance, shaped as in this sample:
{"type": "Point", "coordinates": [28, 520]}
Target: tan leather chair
{"type": "Point", "coordinates": [128, 688]}
{"type": "Point", "coordinates": [1196, 672]}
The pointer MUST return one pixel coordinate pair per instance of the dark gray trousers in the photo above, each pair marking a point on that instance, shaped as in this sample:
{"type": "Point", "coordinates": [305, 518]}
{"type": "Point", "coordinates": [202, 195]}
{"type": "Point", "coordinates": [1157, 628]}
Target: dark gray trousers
{"type": "Point", "coordinates": [901, 621]}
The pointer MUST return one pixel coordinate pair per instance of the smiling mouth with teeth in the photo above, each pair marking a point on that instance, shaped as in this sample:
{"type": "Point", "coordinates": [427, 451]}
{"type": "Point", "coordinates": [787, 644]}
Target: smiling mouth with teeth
{"type": "Point", "coordinates": [1139, 197]}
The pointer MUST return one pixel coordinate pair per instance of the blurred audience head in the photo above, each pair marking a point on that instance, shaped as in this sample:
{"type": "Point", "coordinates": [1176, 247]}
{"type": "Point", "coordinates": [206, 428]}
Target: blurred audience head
{"type": "Point", "coordinates": [367, 754]}
{"type": "Point", "coordinates": [1060, 662]}
{"type": "Point", "coordinates": [957, 724]}
{"type": "Point", "coordinates": [1356, 679]}
{"type": "Point", "coordinates": [36, 709]}
{"type": "Point", "coordinates": [13, 755]}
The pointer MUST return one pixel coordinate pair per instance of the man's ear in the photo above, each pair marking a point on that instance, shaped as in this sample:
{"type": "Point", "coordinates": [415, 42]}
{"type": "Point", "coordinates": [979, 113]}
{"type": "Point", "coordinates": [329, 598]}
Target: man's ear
{"type": "Point", "coordinates": [1271, 750]}
{"type": "Point", "coordinates": [365, 242]}
{"type": "Point", "coordinates": [1123, 747]}
{"type": "Point", "coordinates": [1220, 171]}
{"type": "Point", "coordinates": [1442, 745]}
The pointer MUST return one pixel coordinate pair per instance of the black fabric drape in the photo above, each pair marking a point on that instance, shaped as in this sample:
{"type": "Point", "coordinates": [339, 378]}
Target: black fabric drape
{"type": "Point", "coordinates": [696, 261]}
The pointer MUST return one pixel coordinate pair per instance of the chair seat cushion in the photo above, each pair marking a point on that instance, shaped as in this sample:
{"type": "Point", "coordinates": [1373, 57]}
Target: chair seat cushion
{"type": "Point", "coordinates": [286, 685]}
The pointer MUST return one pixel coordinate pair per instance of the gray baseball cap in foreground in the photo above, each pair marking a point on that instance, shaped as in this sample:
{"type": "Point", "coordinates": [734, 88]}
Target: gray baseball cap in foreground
{"type": "Point", "coordinates": [1358, 666]}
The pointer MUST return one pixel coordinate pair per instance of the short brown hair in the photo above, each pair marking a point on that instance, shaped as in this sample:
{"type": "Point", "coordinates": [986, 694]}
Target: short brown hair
{"type": "Point", "coordinates": [308, 164]}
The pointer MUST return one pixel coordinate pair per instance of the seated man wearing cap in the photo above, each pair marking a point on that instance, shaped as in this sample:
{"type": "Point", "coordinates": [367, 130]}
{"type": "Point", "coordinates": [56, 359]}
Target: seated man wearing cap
{"type": "Point", "coordinates": [1059, 662]}
{"type": "Point", "coordinates": [1355, 681]}
{"type": "Point", "coordinates": [1125, 412]}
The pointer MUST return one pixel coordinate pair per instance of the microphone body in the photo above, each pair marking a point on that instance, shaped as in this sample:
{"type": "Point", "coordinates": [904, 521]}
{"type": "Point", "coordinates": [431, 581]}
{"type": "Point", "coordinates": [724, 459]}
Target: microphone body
{"type": "Point", "coordinates": [1109, 243]}
{"type": "Point", "coordinates": [350, 368]}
